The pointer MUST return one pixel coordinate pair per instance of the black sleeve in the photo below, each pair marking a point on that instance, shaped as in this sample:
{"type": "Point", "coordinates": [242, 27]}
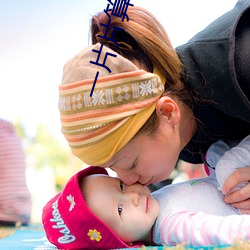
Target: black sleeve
{"type": "Point", "coordinates": [242, 53]}
{"type": "Point", "coordinates": [217, 58]}
{"type": "Point", "coordinates": [217, 66]}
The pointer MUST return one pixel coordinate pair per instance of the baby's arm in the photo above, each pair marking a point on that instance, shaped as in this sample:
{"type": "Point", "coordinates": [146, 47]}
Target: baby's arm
{"type": "Point", "coordinates": [237, 157]}
{"type": "Point", "coordinates": [214, 153]}
{"type": "Point", "coordinates": [201, 229]}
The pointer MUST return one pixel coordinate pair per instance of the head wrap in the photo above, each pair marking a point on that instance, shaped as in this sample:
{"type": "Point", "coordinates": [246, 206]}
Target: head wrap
{"type": "Point", "coordinates": [70, 224]}
{"type": "Point", "coordinates": [99, 126]}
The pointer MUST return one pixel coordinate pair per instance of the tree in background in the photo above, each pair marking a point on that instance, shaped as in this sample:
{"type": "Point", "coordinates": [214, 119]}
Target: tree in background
{"type": "Point", "coordinates": [44, 150]}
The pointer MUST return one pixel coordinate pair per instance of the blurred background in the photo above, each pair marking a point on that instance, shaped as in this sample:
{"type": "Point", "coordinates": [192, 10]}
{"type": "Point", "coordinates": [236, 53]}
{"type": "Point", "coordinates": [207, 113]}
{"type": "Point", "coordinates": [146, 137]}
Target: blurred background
{"type": "Point", "coordinates": [36, 39]}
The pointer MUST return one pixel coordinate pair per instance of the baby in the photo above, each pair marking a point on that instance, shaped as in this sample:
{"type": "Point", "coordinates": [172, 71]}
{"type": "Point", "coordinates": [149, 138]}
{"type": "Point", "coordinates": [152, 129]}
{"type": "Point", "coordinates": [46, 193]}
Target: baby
{"type": "Point", "coordinates": [96, 211]}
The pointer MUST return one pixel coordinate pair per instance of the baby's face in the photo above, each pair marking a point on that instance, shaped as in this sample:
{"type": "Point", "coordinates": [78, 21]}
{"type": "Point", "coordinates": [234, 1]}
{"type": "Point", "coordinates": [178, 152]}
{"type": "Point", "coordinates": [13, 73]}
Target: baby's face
{"type": "Point", "coordinates": [130, 211]}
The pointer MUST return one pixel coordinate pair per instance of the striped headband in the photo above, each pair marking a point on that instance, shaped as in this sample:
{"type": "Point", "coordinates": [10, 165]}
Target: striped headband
{"type": "Point", "coordinates": [97, 127]}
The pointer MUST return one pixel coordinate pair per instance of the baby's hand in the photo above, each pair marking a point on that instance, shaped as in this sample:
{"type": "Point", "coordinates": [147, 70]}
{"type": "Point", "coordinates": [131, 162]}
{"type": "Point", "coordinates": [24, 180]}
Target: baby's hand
{"type": "Point", "coordinates": [240, 198]}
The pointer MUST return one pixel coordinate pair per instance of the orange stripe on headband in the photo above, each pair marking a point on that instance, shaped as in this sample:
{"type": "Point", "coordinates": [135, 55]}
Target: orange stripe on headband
{"type": "Point", "coordinates": [103, 79]}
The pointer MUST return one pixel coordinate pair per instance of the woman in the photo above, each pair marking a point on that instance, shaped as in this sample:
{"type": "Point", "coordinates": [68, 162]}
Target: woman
{"type": "Point", "coordinates": [131, 124]}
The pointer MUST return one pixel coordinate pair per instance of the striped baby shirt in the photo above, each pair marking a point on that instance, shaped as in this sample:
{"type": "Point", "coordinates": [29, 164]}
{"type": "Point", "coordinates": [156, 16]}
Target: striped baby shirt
{"type": "Point", "coordinates": [194, 212]}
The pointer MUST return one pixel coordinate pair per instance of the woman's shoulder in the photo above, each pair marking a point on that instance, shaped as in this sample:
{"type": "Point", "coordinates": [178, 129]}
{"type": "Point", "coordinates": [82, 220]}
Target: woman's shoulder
{"type": "Point", "coordinates": [209, 65]}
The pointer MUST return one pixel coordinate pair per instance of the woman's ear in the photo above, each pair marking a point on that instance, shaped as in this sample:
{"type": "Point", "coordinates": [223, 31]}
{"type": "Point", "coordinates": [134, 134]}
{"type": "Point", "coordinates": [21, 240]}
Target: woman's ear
{"type": "Point", "coordinates": [168, 109]}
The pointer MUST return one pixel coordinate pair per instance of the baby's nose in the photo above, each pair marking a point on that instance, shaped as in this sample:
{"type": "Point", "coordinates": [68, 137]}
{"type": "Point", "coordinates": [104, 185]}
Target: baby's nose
{"type": "Point", "coordinates": [133, 197]}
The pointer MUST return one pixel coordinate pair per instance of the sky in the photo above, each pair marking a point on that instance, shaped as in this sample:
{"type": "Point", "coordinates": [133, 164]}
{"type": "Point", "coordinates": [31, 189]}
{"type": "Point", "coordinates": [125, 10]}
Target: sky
{"type": "Point", "coordinates": [37, 37]}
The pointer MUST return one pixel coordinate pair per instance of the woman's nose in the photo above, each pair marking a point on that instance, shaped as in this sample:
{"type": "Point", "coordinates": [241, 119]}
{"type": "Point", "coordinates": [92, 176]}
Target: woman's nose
{"type": "Point", "coordinates": [126, 177]}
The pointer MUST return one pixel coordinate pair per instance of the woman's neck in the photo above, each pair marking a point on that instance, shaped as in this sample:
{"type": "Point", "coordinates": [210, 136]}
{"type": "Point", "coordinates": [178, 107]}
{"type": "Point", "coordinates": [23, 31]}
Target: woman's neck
{"type": "Point", "coordinates": [187, 125]}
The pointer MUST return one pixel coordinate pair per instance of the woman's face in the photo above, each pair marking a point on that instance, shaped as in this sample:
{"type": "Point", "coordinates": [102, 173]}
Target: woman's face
{"type": "Point", "coordinates": [148, 159]}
